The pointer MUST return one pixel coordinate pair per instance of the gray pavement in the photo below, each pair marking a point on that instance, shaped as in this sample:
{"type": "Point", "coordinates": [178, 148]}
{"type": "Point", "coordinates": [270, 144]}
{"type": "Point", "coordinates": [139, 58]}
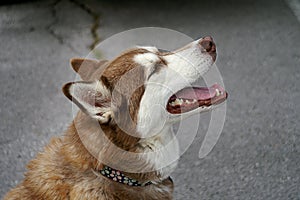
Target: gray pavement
{"type": "Point", "coordinates": [257, 155]}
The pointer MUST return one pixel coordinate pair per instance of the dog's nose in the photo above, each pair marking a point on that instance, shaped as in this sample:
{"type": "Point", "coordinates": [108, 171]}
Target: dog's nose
{"type": "Point", "coordinates": [207, 43]}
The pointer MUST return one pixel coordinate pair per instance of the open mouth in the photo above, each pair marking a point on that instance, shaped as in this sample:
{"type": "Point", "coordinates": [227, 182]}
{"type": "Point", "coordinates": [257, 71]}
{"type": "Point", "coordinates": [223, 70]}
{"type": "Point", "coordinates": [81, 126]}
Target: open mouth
{"type": "Point", "coordinates": [191, 98]}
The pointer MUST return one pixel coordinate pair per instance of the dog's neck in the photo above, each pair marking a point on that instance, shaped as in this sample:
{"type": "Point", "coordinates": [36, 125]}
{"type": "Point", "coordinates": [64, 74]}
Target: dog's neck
{"type": "Point", "coordinates": [94, 148]}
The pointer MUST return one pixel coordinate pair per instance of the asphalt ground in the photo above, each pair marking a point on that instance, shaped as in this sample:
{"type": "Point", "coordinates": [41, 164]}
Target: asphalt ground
{"type": "Point", "coordinates": [257, 155]}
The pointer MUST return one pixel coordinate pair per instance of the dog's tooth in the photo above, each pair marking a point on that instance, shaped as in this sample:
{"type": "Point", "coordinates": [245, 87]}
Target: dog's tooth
{"type": "Point", "coordinates": [187, 102]}
{"type": "Point", "coordinates": [172, 103]}
{"type": "Point", "coordinates": [181, 101]}
{"type": "Point", "coordinates": [217, 92]}
{"type": "Point", "coordinates": [192, 101]}
{"type": "Point", "coordinates": [177, 102]}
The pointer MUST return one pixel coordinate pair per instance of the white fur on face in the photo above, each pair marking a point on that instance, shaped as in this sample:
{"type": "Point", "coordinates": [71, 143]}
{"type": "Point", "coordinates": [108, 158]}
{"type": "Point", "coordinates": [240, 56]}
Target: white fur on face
{"type": "Point", "coordinates": [183, 69]}
{"type": "Point", "coordinates": [146, 59]}
{"type": "Point", "coordinates": [190, 63]}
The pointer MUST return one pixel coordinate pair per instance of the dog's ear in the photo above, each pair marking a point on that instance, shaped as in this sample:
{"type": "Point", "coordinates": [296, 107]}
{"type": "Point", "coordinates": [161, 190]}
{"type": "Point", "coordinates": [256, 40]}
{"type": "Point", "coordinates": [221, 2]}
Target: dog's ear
{"type": "Point", "coordinates": [86, 67]}
{"type": "Point", "coordinates": [93, 98]}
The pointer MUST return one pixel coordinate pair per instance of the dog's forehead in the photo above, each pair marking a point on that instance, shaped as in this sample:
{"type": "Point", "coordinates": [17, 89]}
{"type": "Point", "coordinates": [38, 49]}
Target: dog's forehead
{"type": "Point", "coordinates": [122, 63]}
{"type": "Point", "coordinates": [139, 57]}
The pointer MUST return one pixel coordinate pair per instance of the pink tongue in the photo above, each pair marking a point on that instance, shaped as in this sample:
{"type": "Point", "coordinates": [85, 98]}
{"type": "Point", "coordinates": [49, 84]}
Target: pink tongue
{"type": "Point", "coordinates": [199, 93]}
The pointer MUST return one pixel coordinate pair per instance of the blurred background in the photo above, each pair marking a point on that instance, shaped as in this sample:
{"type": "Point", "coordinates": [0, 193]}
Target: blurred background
{"type": "Point", "coordinates": [257, 155]}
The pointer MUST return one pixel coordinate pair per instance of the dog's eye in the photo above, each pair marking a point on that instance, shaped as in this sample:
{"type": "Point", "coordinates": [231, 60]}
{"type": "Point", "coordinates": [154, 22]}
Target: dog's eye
{"type": "Point", "coordinates": [155, 69]}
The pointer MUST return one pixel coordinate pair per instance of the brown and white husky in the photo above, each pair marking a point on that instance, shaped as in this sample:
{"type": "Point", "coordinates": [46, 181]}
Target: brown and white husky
{"type": "Point", "coordinates": [120, 145]}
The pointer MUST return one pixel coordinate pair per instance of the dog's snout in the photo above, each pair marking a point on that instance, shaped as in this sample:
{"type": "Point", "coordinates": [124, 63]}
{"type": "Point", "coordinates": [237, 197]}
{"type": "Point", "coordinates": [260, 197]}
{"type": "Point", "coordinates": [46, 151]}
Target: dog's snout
{"type": "Point", "coordinates": [209, 46]}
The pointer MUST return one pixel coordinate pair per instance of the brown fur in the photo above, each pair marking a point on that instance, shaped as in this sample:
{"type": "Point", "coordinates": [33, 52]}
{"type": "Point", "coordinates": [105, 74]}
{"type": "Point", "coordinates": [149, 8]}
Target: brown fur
{"type": "Point", "coordinates": [64, 170]}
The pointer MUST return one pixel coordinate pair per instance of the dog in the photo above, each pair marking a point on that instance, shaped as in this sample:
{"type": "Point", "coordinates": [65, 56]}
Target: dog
{"type": "Point", "coordinates": [120, 144]}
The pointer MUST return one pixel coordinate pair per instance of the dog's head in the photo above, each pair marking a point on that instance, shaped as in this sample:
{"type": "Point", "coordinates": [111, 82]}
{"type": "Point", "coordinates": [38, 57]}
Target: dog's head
{"type": "Point", "coordinates": [143, 90]}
